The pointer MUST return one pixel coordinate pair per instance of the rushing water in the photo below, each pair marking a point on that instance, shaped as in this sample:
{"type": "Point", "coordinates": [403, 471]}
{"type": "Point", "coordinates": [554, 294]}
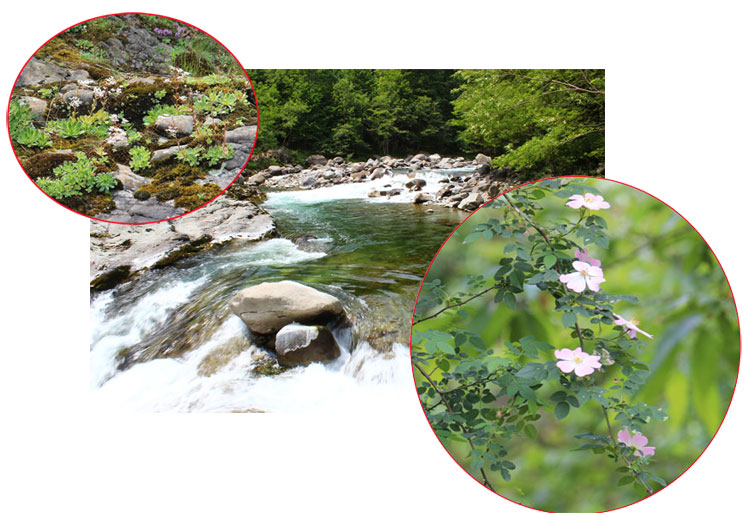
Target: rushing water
{"type": "Point", "coordinates": [169, 342]}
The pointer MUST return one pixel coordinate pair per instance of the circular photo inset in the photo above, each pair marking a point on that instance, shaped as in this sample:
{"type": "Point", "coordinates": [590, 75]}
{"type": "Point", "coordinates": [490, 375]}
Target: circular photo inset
{"type": "Point", "coordinates": [132, 118]}
{"type": "Point", "coordinates": [575, 345]}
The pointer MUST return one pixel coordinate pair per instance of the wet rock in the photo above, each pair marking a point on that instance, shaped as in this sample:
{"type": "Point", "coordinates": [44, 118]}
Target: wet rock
{"type": "Point", "coordinates": [422, 197]}
{"type": "Point", "coordinates": [316, 160]}
{"type": "Point", "coordinates": [415, 184]}
{"type": "Point", "coordinates": [303, 345]}
{"type": "Point", "coordinates": [183, 124]}
{"type": "Point", "coordinates": [224, 219]}
{"type": "Point", "coordinates": [268, 307]}
{"type": "Point", "coordinates": [257, 179]}
{"type": "Point", "coordinates": [483, 169]}
{"type": "Point", "coordinates": [434, 158]}
{"type": "Point", "coordinates": [377, 173]}
{"type": "Point", "coordinates": [309, 182]}
{"type": "Point", "coordinates": [275, 170]}
{"type": "Point", "coordinates": [360, 176]}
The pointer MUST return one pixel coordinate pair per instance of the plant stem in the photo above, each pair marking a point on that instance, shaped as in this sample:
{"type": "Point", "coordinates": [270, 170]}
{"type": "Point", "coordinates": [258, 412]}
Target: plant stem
{"type": "Point", "coordinates": [450, 410]}
{"type": "Point", "coordinates": [627, 462]}
{"type": "Point", "coordinates": [417, 321]}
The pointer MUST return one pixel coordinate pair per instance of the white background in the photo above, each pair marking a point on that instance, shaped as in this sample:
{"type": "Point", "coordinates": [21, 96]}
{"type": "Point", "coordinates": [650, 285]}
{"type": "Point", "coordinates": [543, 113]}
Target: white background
{"type": "Point", "coordinates": [677, 116]}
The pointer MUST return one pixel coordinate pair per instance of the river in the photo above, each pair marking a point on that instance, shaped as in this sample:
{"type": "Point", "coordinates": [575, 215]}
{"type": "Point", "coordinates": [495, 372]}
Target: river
{"type": "Point", "coordinates": [167, 341]}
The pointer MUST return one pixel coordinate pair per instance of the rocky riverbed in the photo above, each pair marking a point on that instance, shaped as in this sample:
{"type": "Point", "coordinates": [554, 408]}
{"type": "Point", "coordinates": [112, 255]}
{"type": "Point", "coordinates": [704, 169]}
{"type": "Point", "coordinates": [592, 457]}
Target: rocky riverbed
{"type": "Point", "coordinates": [467, 183]}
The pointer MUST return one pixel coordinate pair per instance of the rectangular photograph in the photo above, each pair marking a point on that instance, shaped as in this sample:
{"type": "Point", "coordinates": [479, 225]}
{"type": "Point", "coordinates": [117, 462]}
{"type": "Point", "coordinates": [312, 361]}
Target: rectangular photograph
{"type": "Point", "coordinates": [293, 290]}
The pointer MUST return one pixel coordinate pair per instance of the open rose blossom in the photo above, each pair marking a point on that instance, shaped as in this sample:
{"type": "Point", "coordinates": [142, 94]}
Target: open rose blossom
{"type": "Point", "coordinates": [577, 361]}
{"type": "Point", "coordinates": [588, 200]}
{"type": "Point", "coordinates": [636, 441]}
{"type": "Point", "coordinates": [631, 326]}
{"type": "Point", "coordinates": [585, 275]}
{"type": "Point", "coordinates": [583, 256]}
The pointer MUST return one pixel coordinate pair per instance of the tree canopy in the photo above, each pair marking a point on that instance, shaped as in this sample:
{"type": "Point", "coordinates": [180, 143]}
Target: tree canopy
{"type": "Point", "coordinates": [533, 121]}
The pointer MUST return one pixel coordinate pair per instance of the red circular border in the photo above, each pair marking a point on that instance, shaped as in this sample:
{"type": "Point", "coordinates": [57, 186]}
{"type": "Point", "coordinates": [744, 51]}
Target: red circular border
{"type": "Point", "coordinates": [255, 96]}
{"type": "Point", "coordinates": [739, 359]}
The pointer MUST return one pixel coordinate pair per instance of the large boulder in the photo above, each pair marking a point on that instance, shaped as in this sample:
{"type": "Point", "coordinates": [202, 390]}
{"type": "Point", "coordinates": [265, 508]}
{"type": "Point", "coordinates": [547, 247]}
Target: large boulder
{"type": "Point", "coordinates": [301, 345]}
{"type": "Point", "coordinates": [471, 202]}
{"type": "Point", "coordinates": [268, 307]}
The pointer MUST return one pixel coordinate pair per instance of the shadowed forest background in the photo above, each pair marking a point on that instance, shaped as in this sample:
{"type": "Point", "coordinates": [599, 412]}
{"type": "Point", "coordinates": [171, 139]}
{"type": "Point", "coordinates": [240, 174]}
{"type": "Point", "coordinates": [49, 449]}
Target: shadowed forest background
{"type": "Point", "coordinates": [535, 122]}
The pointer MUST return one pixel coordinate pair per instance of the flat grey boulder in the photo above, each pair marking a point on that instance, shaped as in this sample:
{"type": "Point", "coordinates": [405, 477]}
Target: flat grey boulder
{"type": "Point", "coordinates": [268, 307]}
{"type": "Point", "coordinates": [243, 135]}
{"type": "Point", "coordinates": [182, 124]}
{"type": "Point", "coordinates": [302, 345]}
{"type": "Point", "coordinates": [316, 160]}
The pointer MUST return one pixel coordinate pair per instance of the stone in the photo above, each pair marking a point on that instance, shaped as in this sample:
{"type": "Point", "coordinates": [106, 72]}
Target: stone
{"type": "Point", "coordinates": [434, 158]}
{"type": "Point", "coordinates": [164, 154]}
{"type": "Point", "coordinates": [338, 160]}
{"type": "Point", "coordinates": [129, 179]}
{"type": "Point", "coordinates": [415, 184]}
{"type": "Point", "coordinates": [38, 108]}
{"type": "Point", "coordinates": [420, 156]}
{"type": "Point", "coordinates": [422, 197]}
{"type": "Point", "coordinates": [268, 307]}
{"type": "Point", "coordinates": [357, 167]}
{"type": "Point", "coordinates": [257, 179]}
{"type": "Point", "coordinates": [481, 158]}
{"type": "Point", "coordinates": [483, 169]}
{"type": "Point", "coordinates": [445, 163]}
{"type": "Point", "coordinates": [358, 177]}
{"type": "Point", "coordinates": [377, 173]}
{"type": "Point", "coordinates": [309, 182]}
{"type": "Point", "coordinates": [39, 72]}
{"type": "Point", "coordinates": [183, 124]}
{"type": "Point", "coordinates": [471, 202]}
{"type": "Point", "coordinates": [244, 135]}
{"type": "Point", "coordinates": [415, 167]}
{"type": "Point", "coordinates": [316, 160]}
{"type": "Point", "coordinates": [303, 345]}
{"type": "Point", "coordinates": [86, 97]}
{"type": "Point", "coordinates": [275, 170]}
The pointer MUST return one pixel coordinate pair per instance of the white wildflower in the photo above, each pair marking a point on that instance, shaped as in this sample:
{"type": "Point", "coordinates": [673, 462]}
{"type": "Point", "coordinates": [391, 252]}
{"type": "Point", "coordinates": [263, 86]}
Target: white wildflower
{"type": "Point", "coordinates": [74, 101]}
{"type": "Point", "coordinates": [110, 81]}
{"type": "Point", "coordinates": [99, 92]}
{"type": "Point", "coordinates": [113, 118]}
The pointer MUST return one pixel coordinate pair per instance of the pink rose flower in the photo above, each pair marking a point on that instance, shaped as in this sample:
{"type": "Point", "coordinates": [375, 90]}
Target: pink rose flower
{"type": "Point", "coordinates": [588, 200]}
{"type": "Point", "coordinates": [631, 326]}
{"type": "Point", "coordinates": [636, 441]}
{"type": "Point", "coordinates": [585, 275]}
{"type": "Point", "coordinates": [577, 361]}
{"type": "Point", "coordinates": [583, 256]}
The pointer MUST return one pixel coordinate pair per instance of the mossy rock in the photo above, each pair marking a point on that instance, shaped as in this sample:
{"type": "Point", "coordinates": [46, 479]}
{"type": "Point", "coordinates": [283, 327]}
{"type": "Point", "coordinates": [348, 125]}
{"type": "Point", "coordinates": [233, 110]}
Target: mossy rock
{"type": "Point", "coordinates": [42, 165]}
{"type": "Point", "coordinates": [110, 279]}
{"type": "Point", "coordinates": [187, 250]}
{"type": "Point", "coordinates": [193, 201]}
{"type": "Point", "coordinates": [90, 203]}
{"type": "Point", "coordinates": [141, 194]}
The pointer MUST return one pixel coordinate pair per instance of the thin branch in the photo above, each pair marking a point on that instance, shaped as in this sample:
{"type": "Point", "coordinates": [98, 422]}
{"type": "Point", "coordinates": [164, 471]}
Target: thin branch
{"type": "Point", "coordinates": [450, 410]}
{"type": "Point", "coordinates": [455, 305]}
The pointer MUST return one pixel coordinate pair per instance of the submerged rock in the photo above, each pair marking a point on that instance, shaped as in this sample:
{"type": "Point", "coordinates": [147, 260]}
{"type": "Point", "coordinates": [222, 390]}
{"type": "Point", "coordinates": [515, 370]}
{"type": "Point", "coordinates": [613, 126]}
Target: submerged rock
{"type": "Point", "coordinates": [302, 345]}
{"type": "Point", "coordinates": [268, 307]}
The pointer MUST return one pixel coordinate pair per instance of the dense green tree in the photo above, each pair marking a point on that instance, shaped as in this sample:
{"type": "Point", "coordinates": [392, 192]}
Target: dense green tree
{"type": "Point", "coordinates": [534, 120]}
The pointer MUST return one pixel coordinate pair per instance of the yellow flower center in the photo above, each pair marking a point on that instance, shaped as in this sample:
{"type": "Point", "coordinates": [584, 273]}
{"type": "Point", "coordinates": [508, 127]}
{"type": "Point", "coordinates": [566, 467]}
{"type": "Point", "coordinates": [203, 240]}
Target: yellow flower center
{"type": "Point", "coordinates": [578, 359]}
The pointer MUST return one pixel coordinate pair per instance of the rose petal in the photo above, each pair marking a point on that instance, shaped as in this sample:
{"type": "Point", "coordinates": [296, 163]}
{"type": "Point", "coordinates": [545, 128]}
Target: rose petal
{"type": "Point", "coordinates": [583, 370]}
{"type": "Point", "coordinates": [565, 365]}
{"type": "Point", "coordinates": [623, 436]}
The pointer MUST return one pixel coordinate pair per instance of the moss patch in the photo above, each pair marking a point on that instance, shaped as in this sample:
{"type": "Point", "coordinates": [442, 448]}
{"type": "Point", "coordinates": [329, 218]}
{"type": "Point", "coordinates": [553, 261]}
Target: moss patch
{"type": "Point", "coordinates": [110, 279]}
{"type": "Point", "coordinates": [189, 249]}
{"type": "Point", "coordinates": [43, 164]}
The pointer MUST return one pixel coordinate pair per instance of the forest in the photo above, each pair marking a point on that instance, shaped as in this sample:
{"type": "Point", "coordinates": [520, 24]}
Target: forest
{"type": "Point", "coordinates": [535, 122]}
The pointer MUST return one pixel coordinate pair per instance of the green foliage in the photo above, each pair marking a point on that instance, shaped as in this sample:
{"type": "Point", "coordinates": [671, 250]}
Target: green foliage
{"type": "Point", "coordinates": [160, 94]}
{"type": "Point", "coordinates": [75, 178]}
{"type": "Point", "coordinates": [140, 158]}
{"type": "Point", "coordinates": [163, 110]}
{"type": "Point", "coordinates": [216, 154]}
{"type": "Point", "coordinates": [534, 120]}
{"type": "Point", "coordinates": [21, 130]}
{"type": "Point", "coordinates": [191, 156]}
{"type": "Point", "coordinates": [84, 44]}
{"type": "Point", "coordinates": [68, 128]}
{"type": "Point", "coordinates": [492, 309]}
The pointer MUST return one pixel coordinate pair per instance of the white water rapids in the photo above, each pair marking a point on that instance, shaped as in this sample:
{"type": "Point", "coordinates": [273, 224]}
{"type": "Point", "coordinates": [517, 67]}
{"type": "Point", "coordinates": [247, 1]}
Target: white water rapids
{"type": "Point", "coordinates": [361, 380]}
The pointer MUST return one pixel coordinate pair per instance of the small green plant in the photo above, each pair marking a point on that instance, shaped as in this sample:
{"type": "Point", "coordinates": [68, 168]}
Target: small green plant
{"type": "Point", "coordinates": [32, 137]}
{"type": "Point", "coordinates": [190, 155]}
{"type": "Point", "coordinates": [163, 110]}
{"type": "Point", "coordinates": [84, 44]}
{"type": "Point", "coordinates": [67, 128]}
{"type": "Point", "coordinates": [216, 154]}
{"type": "Point", "coordinates": [140, 158]}
{"type": "Point", "coordinates": [46, 93]}
{"type": "Point", "coordinates": [74, 178]}
{"type": "Point", "coordinates": [97, 55]}
{"type": "Point", "coordinates": [19, 117]}
{"type": "Point", "coordinates": [160, 94]}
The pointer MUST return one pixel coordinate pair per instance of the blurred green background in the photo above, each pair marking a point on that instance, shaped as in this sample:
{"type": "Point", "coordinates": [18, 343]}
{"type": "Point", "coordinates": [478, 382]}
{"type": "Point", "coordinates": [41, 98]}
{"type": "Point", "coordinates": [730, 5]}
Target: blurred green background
{"type": "Point", "coordinates": [685, 302]}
